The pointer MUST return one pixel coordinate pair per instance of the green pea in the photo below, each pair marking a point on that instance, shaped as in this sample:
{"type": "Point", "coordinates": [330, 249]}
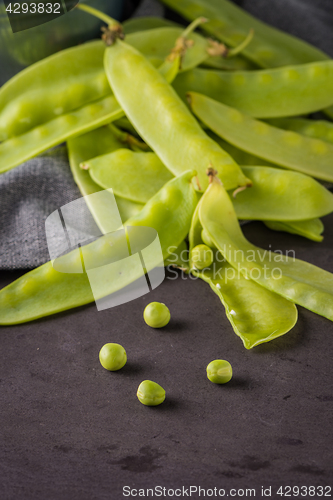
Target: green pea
{"type": "Point", "coordinates": [150, 394]}
{"type": "Point", "coordinates": [112, 357]}
{"type": "Point", "coordinates": [202, 256]}
{"type": "Point", "coordinates": [156, 315]}
{"type": "Point", "coordinates": [219, 371]}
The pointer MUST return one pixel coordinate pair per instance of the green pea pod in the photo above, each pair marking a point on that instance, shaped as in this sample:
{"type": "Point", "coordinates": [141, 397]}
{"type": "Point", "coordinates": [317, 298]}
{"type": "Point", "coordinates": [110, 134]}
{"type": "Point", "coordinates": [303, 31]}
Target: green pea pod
{"type": "Point", "coordinates": [241, 157]}
{"type": "Point", "coordinates": [229, 23]}
{"type": "Point", "coordinates": [162, 119]}
{"type": "Point", "coordinates": [256, 315]}
{"type": "Point", "coordinates": [145, 170]}
{"type": "Point", "coordinates": [273, 196]}
{"type": "Point", "coordinates": [311, 229]}
{"type": "Point", "coordinates": [317, 129]}
{"type": "Point", "coordinates": [97, 142]}
{"type": "Point", "coordinates": [75, 77]}
{"type": "Point", "coordinates": [300, 282]}
{"type": "Point", "coordinates": [143, 23]}
{"type": "Point", "coordinates": [45, 291]}
{"type": "Point", "coordinates": [298, 90]}
{"type": "Point", "coordinates": [19, 149]}
{"type": "Point", "coordinates": [228, 64]}
{"type": "Point", "coordinates": [286, 148]}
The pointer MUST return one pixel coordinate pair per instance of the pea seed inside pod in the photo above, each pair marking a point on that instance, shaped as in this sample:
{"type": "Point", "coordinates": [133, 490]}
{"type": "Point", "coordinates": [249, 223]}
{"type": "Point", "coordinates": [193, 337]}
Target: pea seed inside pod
{"type": "Point", "coordinates": [202, 256]}
{"type": "Point", "coordinates": [112, 357]}
{"type": "Point", "coordinates": [219, 371]}
{"type": "Point", "coordinates": [150, 393]}
{"type": "Point", "coordinates": [156, 315]}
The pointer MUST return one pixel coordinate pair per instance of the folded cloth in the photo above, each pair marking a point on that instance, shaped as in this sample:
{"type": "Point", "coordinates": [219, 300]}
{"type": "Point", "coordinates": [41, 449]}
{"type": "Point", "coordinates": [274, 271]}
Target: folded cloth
{"type": "Point", "coordinates": [32, 191]}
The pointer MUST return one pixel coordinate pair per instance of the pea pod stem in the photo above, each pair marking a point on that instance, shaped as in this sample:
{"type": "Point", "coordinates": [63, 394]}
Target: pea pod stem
{"type": "Point", "coordinates": [97, 13]}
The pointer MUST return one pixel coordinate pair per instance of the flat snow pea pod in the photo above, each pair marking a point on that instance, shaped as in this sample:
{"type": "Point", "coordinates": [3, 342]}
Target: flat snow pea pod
{"type": "Point", "coordinates": [318, 129]}
{"type": "Point", "coordinates": [161, 41]}
{"type": "Point", "coordinates": [146, 173]}
{"type": "Point", "coordinates": [256, 315]}
{"type": "Point", "coordinates": [311, 229]}
{"type": "Point", "coordinates": [51, 87]}
{"type": "Point", "coordinates": [281, 195]}
{"type": "Point", "coordinates": [15, 151]}
{"type": "Point", "coordinates": [94, 143]}
{"type": "Point", "coordinates": [229, 23]}
{"type": "Point", "coordinates": [296, 280]}
{"type": "Point", "coordinates": [75, 77]}
{"type": "Point", "coordinates": [241, 157]}
{"type": "Point", "coordinates": [163, 120]}
{"type": "Point", "coordinates": [144, 23]}
{"type": "Point", "coordinates": [45, 291]}
{"type": "Point", "coordinates": [297, 90]}
{"type": "Point", "coordinates": [285, 148]}
{"type": "Point", "coordinates": [231, 64]}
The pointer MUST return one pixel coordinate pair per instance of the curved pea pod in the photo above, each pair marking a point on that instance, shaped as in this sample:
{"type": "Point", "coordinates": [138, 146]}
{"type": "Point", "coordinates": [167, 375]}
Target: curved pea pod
{"type": "Point", "coordinates": [311, 229]}
{"type": "Point", "coordinates": [146, 172]}
{"type": "Point", "coordinates": [285, 148]}
{"type": "Point", "coordinates": [19, 149]}
{"type": "Point", "coordinates": [297, 90]}
{"type": "Point", "coordinates": [163, 120]}
{"type": "Point", "coordinates": [229, 23]}
{"type": "Point", "coordinates": [256, 315]}
{"type": "Point", "coordinates": [317, 129]}
{"type": "Point", "coordinates": [281, 195]}
{"type": "Point", "coordinates": [296, 280]}
{"type": "Point", "coordinates": [45, 291]}
{"type": "Point", "coordinates": [94, 143]}
{"type": "Point", "coordinates": [75, 77]}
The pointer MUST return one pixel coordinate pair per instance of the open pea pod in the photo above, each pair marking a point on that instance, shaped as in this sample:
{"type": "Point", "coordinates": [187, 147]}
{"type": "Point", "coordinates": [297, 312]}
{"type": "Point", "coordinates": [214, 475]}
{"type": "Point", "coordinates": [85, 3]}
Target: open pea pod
{"type": "Point", "coordinates": [311, 229]}
{"type": "Point", "coordinates": [83, 147]}
{"type": "Point", "coordinates": [163, 120]}
{"type": "Point", "coordinates": [285, 148]}
{"type": "Point", "coordinates": [297, 90]}
{"type": "Point", "coordinates": [256, 315]}
{"type": "Point", "coordinates": [318, 129]}
{"type": "Point", "coordinates": [146, 172]}
{"type": "Point", "coordinates": [75, 77]}
{"type": "Point", "coordinates": [45, 291]}
{"type": "Point", "coordinates": [293, 279]}
{"type": "Point", "coordinates": [281, 195]}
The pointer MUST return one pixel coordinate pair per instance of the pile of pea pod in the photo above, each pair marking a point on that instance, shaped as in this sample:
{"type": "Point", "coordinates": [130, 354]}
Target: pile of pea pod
{"type": "Point", "coordinates": [192, 135]}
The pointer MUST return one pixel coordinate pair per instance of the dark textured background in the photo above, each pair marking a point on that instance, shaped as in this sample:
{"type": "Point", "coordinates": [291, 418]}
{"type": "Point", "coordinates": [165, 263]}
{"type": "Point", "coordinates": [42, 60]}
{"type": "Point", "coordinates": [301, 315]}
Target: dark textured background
{"type": "Point", "coordinates": [70, 430]}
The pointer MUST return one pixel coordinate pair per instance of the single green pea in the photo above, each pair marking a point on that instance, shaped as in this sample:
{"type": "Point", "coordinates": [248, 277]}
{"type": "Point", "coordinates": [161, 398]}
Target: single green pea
{"type": "Point", "coordinates": [202, 256]}
{"type": "Point", "coordinates": [150, 394]}
{"type": "Point", "coordinates": [219, 371]}
{"type": "Point", "coordinates": [156, 315]}
{"type": "Point", "coordinates": [112, 357]}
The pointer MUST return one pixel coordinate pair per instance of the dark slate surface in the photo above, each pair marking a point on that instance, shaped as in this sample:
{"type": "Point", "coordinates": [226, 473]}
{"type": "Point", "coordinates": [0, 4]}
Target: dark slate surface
{"type": "Point", "coordinates": [70, 430]}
